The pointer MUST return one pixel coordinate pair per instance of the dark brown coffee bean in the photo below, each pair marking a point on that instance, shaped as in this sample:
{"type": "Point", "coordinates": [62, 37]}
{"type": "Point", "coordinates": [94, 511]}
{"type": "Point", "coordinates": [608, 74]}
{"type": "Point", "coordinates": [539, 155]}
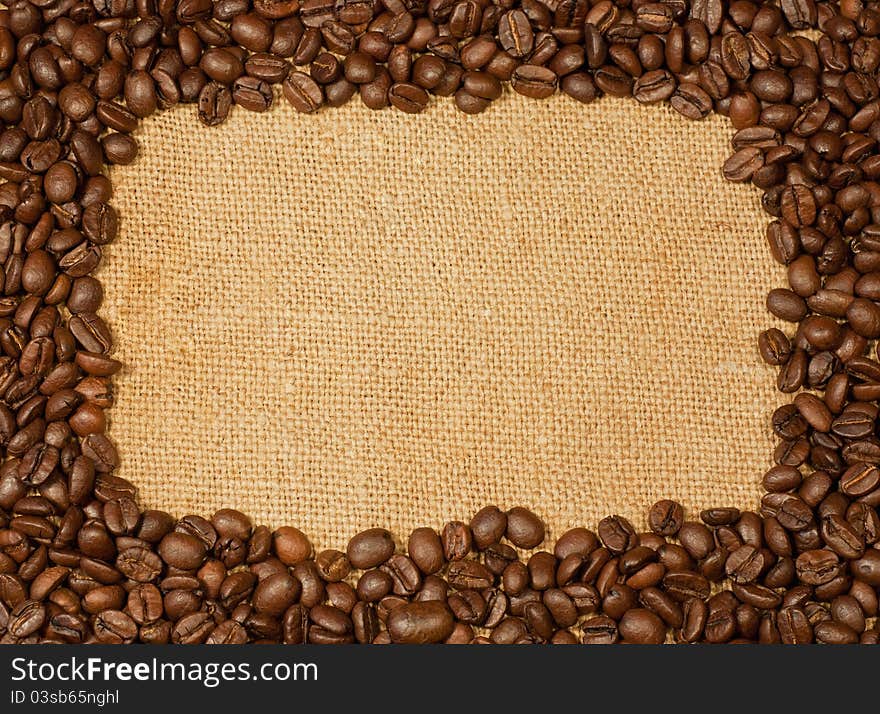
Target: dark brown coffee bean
{"type": "Point", "coordinates": [115, 627]}
{"type": "Point", "coordinates": [302, 92]}
{"type": "Point", "coordinates": [515, 33]}
{"type": "Point", "coordinates": [290, 545]}
{"type": "Point", "coordinates": [534, 81]}
{"type": "Point", "coordinates": [420, 623]}
{"type": "Point", "coordinates": [370, 548]}
{"type": "Point", "coordinates": [524, 528]}
{"type": "Point", "coordinates": [267, 67]}
{"type": "Point", "coordinates": [221, 65]}
{"type": "Point", "coordinates": [864, 317]}
{"type": "Point", "coordinates": [580, 86]}
{"type": "Point", "coordinates": [741, 167]}
{"type": "Point", "coordinates": [182, 551]}
{"type": "Point", "coordinates": [426, 550]}
{"type": "Point", "coordinates": [488, 526]}
{"type": "Point", "coordinates": [253, 94]}
{"type": "Point", "coordinates": [817, 567]}
{"type": "Point", "coordinates": [599, 630]}
{"type": "Point", "coordinates": [643, 627]}
{"type": "Point", "coordinates": [276, 593]}
{"type": "Point", "coordinates": [407, 97]}
{"type": "Point", "coordinates": [691, 101]}
{"type": "Point", "coordinates": [215, 101]}
{"type": "Point", "coordinates": [666, 517]}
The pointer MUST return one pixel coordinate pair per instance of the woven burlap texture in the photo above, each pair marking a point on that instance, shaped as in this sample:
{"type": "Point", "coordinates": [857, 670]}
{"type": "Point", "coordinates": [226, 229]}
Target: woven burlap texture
{"type": "Point", "coordinates": [365, 318]}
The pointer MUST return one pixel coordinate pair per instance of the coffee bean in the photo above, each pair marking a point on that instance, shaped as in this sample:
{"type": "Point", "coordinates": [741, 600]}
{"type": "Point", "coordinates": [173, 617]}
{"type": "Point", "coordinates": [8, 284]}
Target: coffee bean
{"type": "Point", "coordinates": [468, 575]}
{"type": "Point", "coordinates": [691, 101]}
{"type": "Point", "coordinates": [666, 517]}
{"type": "Point", "coordinates": [290, 545]}
{"type": "Point", "coordinates": [267, 67]}
{"type": "Point", "coordinates": [817, 567]}
{"type": "Point", "coordinates": [215, 101]}
{"type": "Point", "coordinates": [253, 94]}
{"type": "Point", "coordinates": [420, 623]}
{"type": "Point", "coordinates": [302, 92]}
{"type": "Point", "coordinates": [192, 629]}
{"type": "Point", "coordinates": [864, 317]}
{"type": "Point", "coordinates": [370, 548]}
{"type": "Point", "coordinates": [333, 565]}
{"type": "Point", "coordinates": [221, 65]}
{"type": "Point", "coordinates": [696, 538]}
{"type": "Point", "coordinates": [798, 205]}
{"type": "Point", "coordinates": [794, 627]}
{"type": "Point", "coordinates": [407, 97]}
{"type": "Point", "coordinates": [684, 585]}
{"type": "Point", "coordinates": [741, 167]}
{"type": "Point", "coordinates": [655, 86]}
{"type": "Point", "coordinates": [181, 550]}
{"type": "Point", "coordinates": [642, 627]}
{"type": "Point", "coordinates": [599, 630]}
{"type": "Point", "coordinates": [577, 541]}
{"type": "Point", "coordinates": [524, 528]}
{"type": "Point", "coordinates": [534, 81]}
{"type": "Point", "coordinates": [26, 618]}
{"type": "Point", "coordinates": [426, 550]}
{"type": "Point", "coordinates": [867, 568]}
{"type": "Point", "coordinates": [774, 346]}
{"type": "Point", "coordinates": [786, 305]}
{"type": "Point", "coordinates": [276, 593]}
{"type": "Point", "coordinates": [140, 93]}
{"type": "Point", "coordinates": [515, 33]}
{"type": "Point", "coordinates": [580, 86]}
{"type": "Point", "coordinates": [842, 537]}
{"type": "Point", "coordinates": [119, 148]}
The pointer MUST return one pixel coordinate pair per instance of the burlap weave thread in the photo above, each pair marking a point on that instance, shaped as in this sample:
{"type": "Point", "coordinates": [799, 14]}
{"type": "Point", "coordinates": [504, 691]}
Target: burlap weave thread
{"type": "Point", "coordinates": [359, 318]}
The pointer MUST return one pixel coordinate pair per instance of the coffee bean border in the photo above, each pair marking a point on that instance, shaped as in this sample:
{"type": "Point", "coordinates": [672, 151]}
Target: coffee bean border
{"type": "Point", "coordinates": [81, 561]}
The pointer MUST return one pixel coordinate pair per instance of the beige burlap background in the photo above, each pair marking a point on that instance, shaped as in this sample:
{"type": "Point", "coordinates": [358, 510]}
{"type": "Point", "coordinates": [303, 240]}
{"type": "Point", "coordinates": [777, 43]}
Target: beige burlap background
{"type": "Point", "coordinates": [358, 318]}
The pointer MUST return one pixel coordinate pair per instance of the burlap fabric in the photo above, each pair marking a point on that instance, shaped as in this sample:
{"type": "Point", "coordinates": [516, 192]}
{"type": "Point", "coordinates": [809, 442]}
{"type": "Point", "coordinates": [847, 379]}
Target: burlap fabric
{"type": "Point", "coordinates": [358, 318]}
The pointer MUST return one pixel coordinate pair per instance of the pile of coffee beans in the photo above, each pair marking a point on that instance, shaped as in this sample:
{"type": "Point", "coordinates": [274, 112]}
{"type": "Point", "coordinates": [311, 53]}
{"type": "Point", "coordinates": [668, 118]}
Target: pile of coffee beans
{"type": "Point", "coordinates": [82, 561]}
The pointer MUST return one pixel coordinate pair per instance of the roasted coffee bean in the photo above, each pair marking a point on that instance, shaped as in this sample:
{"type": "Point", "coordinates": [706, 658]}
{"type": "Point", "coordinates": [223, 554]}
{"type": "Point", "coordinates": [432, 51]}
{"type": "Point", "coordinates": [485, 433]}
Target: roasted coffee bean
{"type": "Point", "coordinates": [817, 567]}
{"type": "Point", "coordinates": [524, 528]}
{"type": "Point", "coordinates": [26, 618]}
{"type": "Point", "coordinates": [290, 545]}
{"type": "Point", "coordinates": [691, 101]}
{"type": "Point", "coordinates": [469, 575]}
{"type": "Point", "coordinates": [302, 92]}
{"type": "Point", "coordinates": [534, 81]}
{"type": "Point", "coordinates": [617, 534]}
{"type": "Point", "coordinates": [576, 541]}
{"type": "Point", "coordinates": [221, 65]}
{"type": "Point", "coordinates": [215, 101]}
{"type": "Point", "coordinates": [599, 630]}
{"type": "Point", "coordinates": [666, 517]}
{"type": "Point", "coordinates": [684, 585]}
{"type": "Point", "coordinates": [420, 623]}
{"type": "Point", "coordinates": [181, 550]}
{"type": "Point", "coordinates": [115, 627]}
{"type": "Point", "coordinates": [252, 94]}
{"type": "Point", "coordinates": [488, 526]}
{"type": "Point", "coordinates": [276, 593]}
{"type": "Point", "coordinates": [696, 538]}
{"type": "Point", "coordinates": [370, 548]}
{"type": "Point", "coordinates": [426, 550]}
{"type": "Point", "coordinates": [643, 627]}
{"type": "Point", "coordinates": [407, 97]}
{"type": "Point", "coordinates": [786, 305]}
{"type": "Point", "coordinates": [794, 627]}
